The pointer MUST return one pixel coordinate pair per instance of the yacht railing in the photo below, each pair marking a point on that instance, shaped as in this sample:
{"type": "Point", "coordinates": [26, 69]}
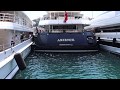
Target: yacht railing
{"type": "Point", "coordinates": [6, 17]}
{"type": "Point", "coordinates": [63, 30]}
{"type": "Point", "coordinates": [1, 48]}
{"type": "Point", "coordinates": [62, 18]}
{"type": "Point", "coordinates": [4, 46]}
{"type": "Point", "coordinates": [6, 53]}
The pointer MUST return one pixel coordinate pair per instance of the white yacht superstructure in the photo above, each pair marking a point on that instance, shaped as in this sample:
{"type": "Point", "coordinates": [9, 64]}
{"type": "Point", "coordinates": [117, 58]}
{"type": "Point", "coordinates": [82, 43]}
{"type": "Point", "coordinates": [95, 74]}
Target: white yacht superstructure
{"type": "Point", "coordinates": [57, 17]}
{"type": "Point", "coordinates": [107, 30]}
{"type": "Point", "coordinates": [13, 25]}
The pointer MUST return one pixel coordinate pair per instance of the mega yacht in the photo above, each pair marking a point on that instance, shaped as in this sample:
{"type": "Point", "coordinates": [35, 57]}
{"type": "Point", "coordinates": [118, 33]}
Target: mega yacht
{"type": "Point", "coordinates": [15, 29]}
{"type": "Point", "coordinates": [107, 30]}
{"type": "Point", "coordinates": [63, 31]}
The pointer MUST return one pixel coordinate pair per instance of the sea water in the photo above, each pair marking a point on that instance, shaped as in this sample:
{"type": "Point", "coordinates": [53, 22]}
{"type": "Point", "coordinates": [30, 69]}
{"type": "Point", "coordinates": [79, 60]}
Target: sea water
{"type": "Point", "coordinates": [97, 65]}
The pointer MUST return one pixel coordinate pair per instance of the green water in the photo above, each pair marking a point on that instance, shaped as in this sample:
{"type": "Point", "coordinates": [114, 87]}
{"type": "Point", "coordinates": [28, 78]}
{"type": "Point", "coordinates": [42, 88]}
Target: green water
{"type": "Point", "coordinates": [100, 65]}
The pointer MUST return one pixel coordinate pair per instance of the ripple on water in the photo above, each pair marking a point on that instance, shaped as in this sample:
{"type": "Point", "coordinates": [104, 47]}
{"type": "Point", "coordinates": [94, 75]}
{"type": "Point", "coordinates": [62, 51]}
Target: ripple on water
{"type": "Point", "coordinates": [100, 65]}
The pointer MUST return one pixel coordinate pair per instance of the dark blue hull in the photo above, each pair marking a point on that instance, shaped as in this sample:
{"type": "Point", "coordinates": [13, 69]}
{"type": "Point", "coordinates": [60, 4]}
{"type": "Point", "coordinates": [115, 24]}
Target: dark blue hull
{"type": "Point", "coordinates": [66, 41]}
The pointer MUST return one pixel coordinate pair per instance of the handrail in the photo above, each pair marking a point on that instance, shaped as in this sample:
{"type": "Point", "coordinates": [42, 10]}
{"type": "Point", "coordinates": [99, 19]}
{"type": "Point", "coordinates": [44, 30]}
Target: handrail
{"type": "Point", "coordinates": [74, 30]}
{"type": "Point", "coordinates": [61, 30]}
{"type": "Point", "coordinates": [64, 29]}
{"type": "Point", "coordinates": [4, 46]}
{"type": "Point", "coordinates": [62, 18]}
{"type": "Point", "coordinates": [1, 48]}
{"type": "Point", "coordinates": [7, 17]}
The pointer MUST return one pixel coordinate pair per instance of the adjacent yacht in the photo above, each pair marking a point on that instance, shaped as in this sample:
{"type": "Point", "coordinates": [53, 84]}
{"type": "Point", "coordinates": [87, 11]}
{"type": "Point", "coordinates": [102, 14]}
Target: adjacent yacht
{"type": "Point", "coordinates": [107, 30]}
{"type": "Point", "coordinates": [63, 31]}
{"type": "Point", "coordinates": [15, 29]}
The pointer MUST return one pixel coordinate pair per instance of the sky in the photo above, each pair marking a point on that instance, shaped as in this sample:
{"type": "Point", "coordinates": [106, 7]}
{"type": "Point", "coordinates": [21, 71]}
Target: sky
{"type": "Point", "coordinates": [36, 14]}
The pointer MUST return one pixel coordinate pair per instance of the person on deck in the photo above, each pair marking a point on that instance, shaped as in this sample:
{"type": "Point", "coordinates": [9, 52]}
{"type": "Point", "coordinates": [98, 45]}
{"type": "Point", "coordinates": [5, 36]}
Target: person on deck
{"type": "Point", "coordinates": [12, 42]}
{"type": "Point", "coordinates": [22, 37]}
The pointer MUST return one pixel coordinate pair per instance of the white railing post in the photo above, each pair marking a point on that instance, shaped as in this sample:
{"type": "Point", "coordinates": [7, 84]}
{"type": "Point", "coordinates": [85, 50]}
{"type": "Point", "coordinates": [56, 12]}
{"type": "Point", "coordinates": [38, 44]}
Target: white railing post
{"type": "Point", "coordinates": [3, 47]}
{"type": "Point", "coordinates": [3, 17]}
{"type": "Point", "coordinates": [14, 17]}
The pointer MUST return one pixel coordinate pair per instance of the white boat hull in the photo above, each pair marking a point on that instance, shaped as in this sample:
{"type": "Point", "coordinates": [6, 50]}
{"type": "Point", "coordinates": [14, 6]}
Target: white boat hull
{"type": "Point", "coordinates": [111, 49]}
{"type": "Point", "coordinates": [8, 65]}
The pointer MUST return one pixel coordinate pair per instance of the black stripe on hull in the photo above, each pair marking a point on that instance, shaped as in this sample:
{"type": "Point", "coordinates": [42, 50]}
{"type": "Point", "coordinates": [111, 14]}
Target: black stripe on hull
{"type": "Point", "coordinates": [94, 47]}
{"type": "Point", "coordinates": [109, 44]}
{"type": "Point", "coordinates": [66, 51]}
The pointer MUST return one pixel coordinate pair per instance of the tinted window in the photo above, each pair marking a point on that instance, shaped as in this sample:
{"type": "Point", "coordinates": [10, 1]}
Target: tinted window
{"type": "Point", "coordinates": [64, 27]}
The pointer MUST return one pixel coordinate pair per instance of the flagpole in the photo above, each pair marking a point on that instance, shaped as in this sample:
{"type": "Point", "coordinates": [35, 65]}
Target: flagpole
{"type": "Point", "coordinates": [92, 14]}
{"type": "Point", "coordinates": [58, 17]}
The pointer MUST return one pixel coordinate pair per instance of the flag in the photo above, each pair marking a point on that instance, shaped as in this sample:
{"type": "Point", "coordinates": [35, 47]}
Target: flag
{"type": "Point", "coordinates": [66, 16]}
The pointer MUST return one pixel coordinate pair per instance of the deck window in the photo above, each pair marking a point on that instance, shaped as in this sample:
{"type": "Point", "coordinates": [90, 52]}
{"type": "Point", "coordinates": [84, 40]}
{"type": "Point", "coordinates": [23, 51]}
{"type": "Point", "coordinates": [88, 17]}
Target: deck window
{"type": "Point", "coordinates": [64, 27]}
